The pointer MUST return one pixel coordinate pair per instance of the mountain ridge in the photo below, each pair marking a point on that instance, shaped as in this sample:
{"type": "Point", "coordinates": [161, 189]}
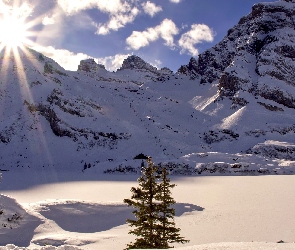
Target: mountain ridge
{"type": "Point", "coordinates": [230, 100]}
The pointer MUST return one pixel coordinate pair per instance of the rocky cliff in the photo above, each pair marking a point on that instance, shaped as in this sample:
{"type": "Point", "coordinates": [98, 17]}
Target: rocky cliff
{"type": "Point", "coordinates": [257, 56]}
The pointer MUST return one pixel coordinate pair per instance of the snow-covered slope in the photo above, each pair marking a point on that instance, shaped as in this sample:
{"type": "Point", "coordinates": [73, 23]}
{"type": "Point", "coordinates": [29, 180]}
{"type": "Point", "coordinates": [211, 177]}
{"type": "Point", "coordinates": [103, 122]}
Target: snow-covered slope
{"type": "Point", "coordinates": [17, 225]}
{"type": "Point", "coordinates": [53, 117]}
{"type": "Point", "coordinates": [230, 100]}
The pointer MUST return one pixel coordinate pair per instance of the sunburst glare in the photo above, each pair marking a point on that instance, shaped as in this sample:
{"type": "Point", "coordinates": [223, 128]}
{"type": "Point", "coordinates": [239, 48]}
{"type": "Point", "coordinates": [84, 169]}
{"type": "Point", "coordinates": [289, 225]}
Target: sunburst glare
{"type": "Point", "coordinates": [16, 38]}
{"type": "Point", "coordinates": [13, 32]}
{"type": "Point", "coordinates": [16, 28]}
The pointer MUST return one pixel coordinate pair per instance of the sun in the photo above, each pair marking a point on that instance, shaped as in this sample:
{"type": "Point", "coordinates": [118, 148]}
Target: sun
{"type": "Point", "coordinates": [13, 32]}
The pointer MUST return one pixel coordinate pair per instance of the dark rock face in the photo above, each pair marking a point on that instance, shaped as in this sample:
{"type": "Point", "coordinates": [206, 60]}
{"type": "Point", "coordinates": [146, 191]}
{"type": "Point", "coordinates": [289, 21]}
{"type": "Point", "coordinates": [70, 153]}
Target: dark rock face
{"type": "Point", "coordinates": [89, 65]}
{"type": "Point", "coordinates": [63, 129]}
{"type": "Point", "coordinates": [190, 70]}
{"type": "Point", "coordinates": [166, 70]}
{"type": "Point", "coordinates": [256, 56]}
{"type": "Point", "coordinates": [279, 150]}
{"type": "Point", "coordinates": [210, 64]}
{"type": "Point", "coordinates": [220, 135]}
{"type": "Point", "coordinates": [229, 84]}
{"type": "Point", "coordinates": [278, 96]}
{"type": "Point", "coordinates": [135, 62]}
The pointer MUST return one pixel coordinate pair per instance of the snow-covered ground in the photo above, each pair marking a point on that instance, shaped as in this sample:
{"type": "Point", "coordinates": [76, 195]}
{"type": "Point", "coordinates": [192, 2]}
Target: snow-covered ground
{"type": "Point", "coordinates": [224, 212]}
{"type": "Point", "coordinates": [61, 130]}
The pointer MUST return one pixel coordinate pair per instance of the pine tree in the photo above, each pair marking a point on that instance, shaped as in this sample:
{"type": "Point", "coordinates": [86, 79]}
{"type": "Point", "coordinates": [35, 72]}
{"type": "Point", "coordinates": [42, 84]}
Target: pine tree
{"type": "Point", "coordinates": [154, 218]}
{"type": "Point", "coordinates": [146, 213]}
{"type": "Point", "coordinates": [169, 233]}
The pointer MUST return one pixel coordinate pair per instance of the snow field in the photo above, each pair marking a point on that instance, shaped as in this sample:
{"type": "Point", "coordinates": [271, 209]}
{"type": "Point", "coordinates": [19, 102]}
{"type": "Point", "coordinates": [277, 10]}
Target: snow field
{"type": "Point", "coordinates": [209, 211]}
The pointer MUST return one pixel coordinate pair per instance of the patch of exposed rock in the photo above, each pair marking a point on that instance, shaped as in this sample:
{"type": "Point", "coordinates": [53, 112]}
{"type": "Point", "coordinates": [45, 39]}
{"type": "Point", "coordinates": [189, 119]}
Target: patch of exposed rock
{"type": "Point", "coordinates": [89, 65]}
{"type": "Point", "coordinates": [275, 149]}
{"type": "Point", "coordinates": [135, 62]}
{"type": "Point", "coordinates": [85, 137]}
{"type": "Point", "coordinates": [191, 69]}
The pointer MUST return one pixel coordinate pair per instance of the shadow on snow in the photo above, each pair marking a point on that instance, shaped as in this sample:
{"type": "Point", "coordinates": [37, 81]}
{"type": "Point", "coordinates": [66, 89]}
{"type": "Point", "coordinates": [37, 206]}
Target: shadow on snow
{"type": "Point", "coordinates": [90, 218]}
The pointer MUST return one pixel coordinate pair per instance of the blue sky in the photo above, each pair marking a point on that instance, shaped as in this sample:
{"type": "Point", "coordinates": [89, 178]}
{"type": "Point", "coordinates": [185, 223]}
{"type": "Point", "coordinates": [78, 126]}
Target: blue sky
{"type": "Point", "coordinates": [165, 33]}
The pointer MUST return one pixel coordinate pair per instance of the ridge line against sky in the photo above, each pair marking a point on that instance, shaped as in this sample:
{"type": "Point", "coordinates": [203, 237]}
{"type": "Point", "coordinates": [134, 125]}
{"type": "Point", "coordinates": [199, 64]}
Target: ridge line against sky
{"type": "Point", "coordinates": [163, 33]}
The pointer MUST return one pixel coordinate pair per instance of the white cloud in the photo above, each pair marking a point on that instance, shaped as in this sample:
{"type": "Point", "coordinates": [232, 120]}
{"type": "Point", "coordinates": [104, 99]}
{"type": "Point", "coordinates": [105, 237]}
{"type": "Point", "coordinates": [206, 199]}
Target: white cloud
{"type": "Point", "coordinates": [20, 10]}
{"type": "Point", "coordinates": [112, 63]}
{"type": "Point", "coordinates": [150, 8]}
{"type": "Point", "coordinates": [111, 6]}
{"type": "Point", "coordinates": [121, 12]}
{"type": "Point", "coordinates": [25, 10]}
{"type": "Point", "coordinates": [156, 64]}
{"type": "Point", "coordinates": [117, 21]}
{"type": "Point", "coordinates": [184, 26]}
{"type": "Point", "coordinates": [3, 8]}
{"type": "Point", "coordinates": [166, 30]}
{"type": "Point", "coordinates": [65, 58]}
{"type": "Point", "coordinates": [197, 34]}
{"type": "Point", "coordinates": [142, 39]}
{"type": "Point", "coordinates": [70, 61]}
{"type": "Point", "coordinates": [175, 1]}
{"type": "Point", "coordinates": [47, 20]}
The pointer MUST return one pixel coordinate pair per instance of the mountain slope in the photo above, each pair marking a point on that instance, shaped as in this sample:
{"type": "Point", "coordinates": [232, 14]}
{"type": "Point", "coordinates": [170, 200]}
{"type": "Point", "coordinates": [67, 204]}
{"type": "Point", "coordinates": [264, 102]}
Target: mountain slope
{"type": "Point", "coordinates": [73, 117]}
{"type": "Point", "coordinates": [253, 71]}
{"type": "Point", "coordinates": [236, 99]}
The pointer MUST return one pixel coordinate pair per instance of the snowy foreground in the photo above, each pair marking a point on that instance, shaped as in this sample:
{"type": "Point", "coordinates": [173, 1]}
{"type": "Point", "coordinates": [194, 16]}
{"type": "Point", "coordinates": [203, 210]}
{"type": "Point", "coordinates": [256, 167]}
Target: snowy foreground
{"type": "Point", "coordinates": [224, 212]}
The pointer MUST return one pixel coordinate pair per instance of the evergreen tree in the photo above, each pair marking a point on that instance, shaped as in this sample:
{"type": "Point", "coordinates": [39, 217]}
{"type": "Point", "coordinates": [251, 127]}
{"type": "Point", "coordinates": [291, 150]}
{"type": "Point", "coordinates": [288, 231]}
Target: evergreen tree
{"type": "Point", "coordinates": [169, 233]}
{"type": "Point", "coordinates": [154, 224]}
{"type": "Point", "coordinates": [146, 213]}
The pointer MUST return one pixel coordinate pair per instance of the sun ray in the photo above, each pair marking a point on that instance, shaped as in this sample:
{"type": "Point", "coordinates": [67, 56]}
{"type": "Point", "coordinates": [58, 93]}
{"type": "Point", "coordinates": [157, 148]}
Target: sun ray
{"type": "Point", "coordinates": [16, 36]}
{"type": "Point", "coordinates": [27, 95]}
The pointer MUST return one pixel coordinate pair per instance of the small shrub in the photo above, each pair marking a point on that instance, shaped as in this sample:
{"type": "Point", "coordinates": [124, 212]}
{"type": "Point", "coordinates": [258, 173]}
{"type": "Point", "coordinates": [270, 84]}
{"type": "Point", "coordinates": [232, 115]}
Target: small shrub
{"type": "Point", "coordinates": [48, 69]}
{"type": "Point", "coordinates": [140, 156]}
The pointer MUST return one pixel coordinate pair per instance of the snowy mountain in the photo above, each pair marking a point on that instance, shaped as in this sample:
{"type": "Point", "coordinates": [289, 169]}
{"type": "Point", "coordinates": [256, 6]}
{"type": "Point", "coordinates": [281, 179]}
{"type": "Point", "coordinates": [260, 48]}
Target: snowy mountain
{"type": "Point", "coordinates": [230, 110]}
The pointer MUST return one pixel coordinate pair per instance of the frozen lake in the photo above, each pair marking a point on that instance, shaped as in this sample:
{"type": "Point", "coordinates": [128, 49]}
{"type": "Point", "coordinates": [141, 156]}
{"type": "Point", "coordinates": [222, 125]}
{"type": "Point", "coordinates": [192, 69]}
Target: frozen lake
{"type": "Point", "coordinates": [209, 209]}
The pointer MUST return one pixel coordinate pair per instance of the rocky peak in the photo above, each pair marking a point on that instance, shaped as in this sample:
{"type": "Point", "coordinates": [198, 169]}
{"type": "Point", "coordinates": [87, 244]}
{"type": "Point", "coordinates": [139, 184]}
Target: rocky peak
{"type": "Point", "coordinates": [135, 62]}
{"type": "Point", "coordinates": [166, 70]}
{"type": "Point", "coordinates": [89, 65]}
{"type": "Point", "coordinates": [257, 56]}
{"type": "Point", "coordinates": [190, 69]}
